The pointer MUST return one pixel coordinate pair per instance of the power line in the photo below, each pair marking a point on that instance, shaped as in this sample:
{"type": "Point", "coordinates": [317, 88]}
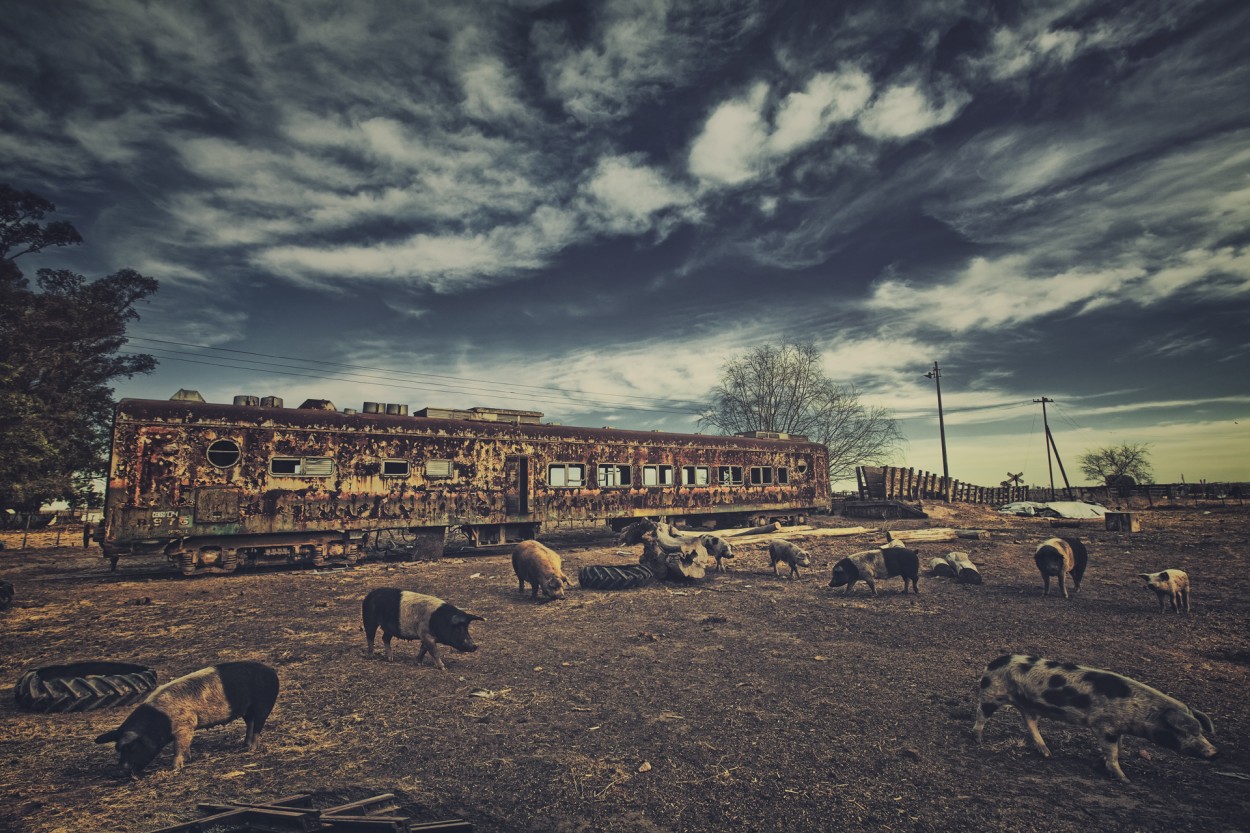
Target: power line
{"type": "Point", "coordinates": [407, 373]}
{"type": "Point", "coordinates": [368, 381]}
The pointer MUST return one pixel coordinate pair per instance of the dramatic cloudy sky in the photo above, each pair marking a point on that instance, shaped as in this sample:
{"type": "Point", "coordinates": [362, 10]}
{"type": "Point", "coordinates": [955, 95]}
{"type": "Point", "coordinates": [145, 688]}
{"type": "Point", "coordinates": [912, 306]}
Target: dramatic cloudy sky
{"type": "Point", "coordinates": [585, 208]}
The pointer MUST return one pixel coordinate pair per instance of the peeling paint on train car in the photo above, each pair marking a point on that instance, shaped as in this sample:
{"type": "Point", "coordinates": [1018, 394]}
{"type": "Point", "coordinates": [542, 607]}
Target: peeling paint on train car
{"type": "Point", "coordinates": [310, 484]}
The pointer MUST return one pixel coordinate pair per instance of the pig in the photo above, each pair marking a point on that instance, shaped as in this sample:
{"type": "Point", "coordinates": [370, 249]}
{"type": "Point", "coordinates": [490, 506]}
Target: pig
{"type": "Point", "coordinates": [1109, 704]}
{"type": "Point", "coordinates": [716, 547]}
{"type": "Point", "coordinates": [411, 615]}
{"type": "Point", "coordinates": [783, 551]}
{"type": "Point", "coordinates": [1173, 584]}
{"type": "Point", "coordinates": [883, 562]}
{"type": "Point", "coordinates": [540, 566]}
{"type": "Point", "coordinates": [1057, 556]}
{"type": "Point", "coordinates": [208, 697]}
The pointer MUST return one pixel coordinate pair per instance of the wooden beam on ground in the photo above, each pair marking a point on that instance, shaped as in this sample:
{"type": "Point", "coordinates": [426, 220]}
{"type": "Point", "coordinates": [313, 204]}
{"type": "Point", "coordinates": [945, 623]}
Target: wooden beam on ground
{"type": "Point", "coordinates": [909, 535]}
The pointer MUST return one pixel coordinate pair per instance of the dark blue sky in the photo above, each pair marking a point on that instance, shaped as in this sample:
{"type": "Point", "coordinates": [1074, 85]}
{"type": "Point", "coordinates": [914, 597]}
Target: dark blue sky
{"type": "Point", "coordinates": [587, 208]}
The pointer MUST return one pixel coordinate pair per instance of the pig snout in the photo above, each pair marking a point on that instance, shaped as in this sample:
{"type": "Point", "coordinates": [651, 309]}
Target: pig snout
{"type": "Point", "coordinates": [1199, 747]}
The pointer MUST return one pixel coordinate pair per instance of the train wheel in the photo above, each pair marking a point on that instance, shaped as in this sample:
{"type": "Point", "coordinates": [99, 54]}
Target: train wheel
{"type": "Point", "coordinates": [186, 561]}
{"type": "Point", "coordinates": [83, 686]}
{"type": "Point", "coordinates": [229, 561]}
{"type": "Point", "coordinates": [612, 577]}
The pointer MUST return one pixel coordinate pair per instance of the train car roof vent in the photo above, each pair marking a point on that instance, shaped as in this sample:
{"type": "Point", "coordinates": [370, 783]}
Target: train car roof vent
{"type": "Point", "coordinates": [512, 415]}
{"type": "Point", "coordinates": [184, 395]}
{"type": "Point", "coordinates": [318, 405]}
{"type": "Point", "coordinates": [771, 435]}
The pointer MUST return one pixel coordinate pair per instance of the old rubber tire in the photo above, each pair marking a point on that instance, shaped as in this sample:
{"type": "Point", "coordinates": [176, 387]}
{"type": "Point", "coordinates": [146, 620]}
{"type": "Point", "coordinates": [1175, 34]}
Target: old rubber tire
{"type": "Point", "coordinates": [83, 686]}
{"type": "Point", "coordinates": [608, 577]}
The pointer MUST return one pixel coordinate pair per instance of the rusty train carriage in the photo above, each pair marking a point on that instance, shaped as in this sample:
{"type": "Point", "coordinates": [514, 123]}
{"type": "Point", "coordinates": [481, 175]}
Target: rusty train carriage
{"type": "Point", "coordinates": [213, 485]}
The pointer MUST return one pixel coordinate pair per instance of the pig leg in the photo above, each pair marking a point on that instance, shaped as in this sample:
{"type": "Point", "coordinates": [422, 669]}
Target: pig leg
{"type": "Point", "coordinates": [849, 585]}
{"type": "Point", "coordinates": [1110, 744]}
{"type": "Point", "coordinates": [794, 571]}
{"type": "Point", "coordinates": [427, 644]}
{"type": "Point", "coordinates": [1045, 585]}
{"type": "Point", "coordinates": [983, 710]}
{"type": "Point", "coordinates": [1185, 598]}
{"type": "Point", "coordinates": [1063, 585]}
{"type": "Point", "coordinates": [182, 746]}
{"type": "Point", "coordinates": [872, 585]}
{"type": "Point", "coordinates": [1162, 604]}
{"type": "Point", "coordinates": [1030, 723]}
{"type": "Point", "coordinates": [520, 585]}
{"type": "Point", "coordinates": [386, 642]}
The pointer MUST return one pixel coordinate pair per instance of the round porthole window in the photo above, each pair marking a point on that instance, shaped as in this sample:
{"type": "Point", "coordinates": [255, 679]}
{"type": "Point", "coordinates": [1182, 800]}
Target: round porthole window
{"type": "Point", "coordinates": [224, 453]}
{"type": "Point", "coordinates": [802, 468]}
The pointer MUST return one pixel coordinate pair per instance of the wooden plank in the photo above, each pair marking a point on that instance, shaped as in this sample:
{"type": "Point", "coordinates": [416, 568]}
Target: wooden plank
{"type": "Point", "coordinates": [934, 534]}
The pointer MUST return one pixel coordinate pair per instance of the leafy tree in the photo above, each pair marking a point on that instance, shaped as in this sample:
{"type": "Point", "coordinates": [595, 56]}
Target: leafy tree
{"type": "Point", "coordinates": [59, 347]}
{"type": "Point", "coordinates": [1126, 463]}
{"type": "Point", "coordinates": [782, 388]}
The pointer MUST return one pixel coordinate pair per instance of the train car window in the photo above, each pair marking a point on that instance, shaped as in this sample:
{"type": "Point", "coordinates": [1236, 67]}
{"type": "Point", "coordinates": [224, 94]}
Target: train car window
{"type": "Point", "coordinates": [395, 468]}
{"type": "Point", "coordinates": [438, 468]}
{"type": "Point", "coordinates": [613, 474]}
{"type": "Point", "coordinates": [695, 475]}
{"type": "Point", "coordinates": [657, 475]}
{"type": "Point", "coordinates": [783, 475]}
{"type": "Point", "coordinates": [801, 468]}
{"type": "Point", "coordinates": [729, 475]}
{"type": "Point", "coordinates": [224, 453]}
{"type": "Point", "coordinates": [761, 475]}
{"type": "Point", "coordinates": [302, 466]}
{"type": "Point", "coordinates": [566, 475]}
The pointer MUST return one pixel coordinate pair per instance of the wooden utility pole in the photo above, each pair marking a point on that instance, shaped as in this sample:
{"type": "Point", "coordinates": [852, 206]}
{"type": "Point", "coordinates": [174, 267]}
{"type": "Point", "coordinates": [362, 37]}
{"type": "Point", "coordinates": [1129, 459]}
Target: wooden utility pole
{"type": "Point", "coordinates": [936, 375]}
{"type": "Point", "coordinates": [1050, 466]}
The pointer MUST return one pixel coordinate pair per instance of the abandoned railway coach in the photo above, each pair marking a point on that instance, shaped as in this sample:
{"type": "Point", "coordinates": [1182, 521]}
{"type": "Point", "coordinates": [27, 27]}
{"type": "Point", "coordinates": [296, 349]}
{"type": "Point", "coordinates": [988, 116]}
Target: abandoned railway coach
{"type": "Point", "coordinates": [212, 485]}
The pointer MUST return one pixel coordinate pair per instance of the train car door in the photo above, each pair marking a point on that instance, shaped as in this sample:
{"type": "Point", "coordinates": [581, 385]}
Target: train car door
{"type": "Point", "coordinates": [517, 496]}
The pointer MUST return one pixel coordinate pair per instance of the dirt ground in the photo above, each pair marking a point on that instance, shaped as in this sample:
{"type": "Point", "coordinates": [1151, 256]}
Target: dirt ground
{"type": "Point", "coordinates": [745, 702]}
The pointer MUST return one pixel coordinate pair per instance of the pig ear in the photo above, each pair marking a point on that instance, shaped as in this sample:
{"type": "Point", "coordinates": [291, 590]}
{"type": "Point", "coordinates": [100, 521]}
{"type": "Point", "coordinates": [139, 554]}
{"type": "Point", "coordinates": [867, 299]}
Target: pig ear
{"type": "Point", "coordinates": [1207, 725]}
{"type": "Point", "coordinates": [1144, 576]}
{"type": "Point", "coordinates": [473, 617]}
{"type": "Point", "coordinates": [109, 737]}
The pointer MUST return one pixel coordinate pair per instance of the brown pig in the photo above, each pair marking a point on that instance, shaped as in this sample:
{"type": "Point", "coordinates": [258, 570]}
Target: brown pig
{"type": "Point", "coordinates": [540, 566]}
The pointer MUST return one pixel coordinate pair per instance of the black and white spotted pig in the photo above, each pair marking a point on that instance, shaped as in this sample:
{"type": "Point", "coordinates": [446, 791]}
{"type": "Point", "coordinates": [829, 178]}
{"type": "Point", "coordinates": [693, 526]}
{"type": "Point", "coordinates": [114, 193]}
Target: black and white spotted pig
{"type": "Point", "coordinates": [716, 547]}
{"type": "Point", "coordinates": [880, 563]}
{"type": "Point", "coordinates": [1056, 557]}
{"type": "Point", "coordinates": [1109, 704]}
{"type": "Point", "coordinates": [1170, 584]}
{"type": "Point", "coordinates": [784, 552]}
{"type": "Point", "coordinates": [411, 615]}
{"type": "Point", "coordinates": [208, 697]}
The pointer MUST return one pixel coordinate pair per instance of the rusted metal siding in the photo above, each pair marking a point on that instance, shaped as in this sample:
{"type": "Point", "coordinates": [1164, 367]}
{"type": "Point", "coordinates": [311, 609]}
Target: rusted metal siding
{"type": "Point", "coordinates": [162, 485]}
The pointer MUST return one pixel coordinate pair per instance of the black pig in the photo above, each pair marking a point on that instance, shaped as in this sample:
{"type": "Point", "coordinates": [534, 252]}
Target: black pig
{"type": "Point", "coordinates": [411, 615]}
{"type": "Point", "coordinates": [1057, 556]}
{"type": "Point", "coordinates": [208, 697]}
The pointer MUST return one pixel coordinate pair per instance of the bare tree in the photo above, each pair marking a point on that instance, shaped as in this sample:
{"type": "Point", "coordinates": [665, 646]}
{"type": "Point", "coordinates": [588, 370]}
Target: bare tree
{"type": "Point", "coordinates": [782, 388]}
{"type": "Point", "coordinates": [1112, 465]}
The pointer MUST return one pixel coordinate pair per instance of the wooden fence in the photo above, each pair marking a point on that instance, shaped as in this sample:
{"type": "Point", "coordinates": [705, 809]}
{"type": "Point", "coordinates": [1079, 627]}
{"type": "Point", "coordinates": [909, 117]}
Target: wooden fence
{"type": "Point", "coordinates": [893, 483]}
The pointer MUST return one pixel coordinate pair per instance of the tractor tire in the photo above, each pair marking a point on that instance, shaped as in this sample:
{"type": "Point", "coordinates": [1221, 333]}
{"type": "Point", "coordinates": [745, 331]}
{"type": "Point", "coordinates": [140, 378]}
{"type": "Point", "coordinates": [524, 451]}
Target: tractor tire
{"type": "Point", "coordinates": [612, 577]}
{"type": "Point", "coordinates": [83, 686]}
